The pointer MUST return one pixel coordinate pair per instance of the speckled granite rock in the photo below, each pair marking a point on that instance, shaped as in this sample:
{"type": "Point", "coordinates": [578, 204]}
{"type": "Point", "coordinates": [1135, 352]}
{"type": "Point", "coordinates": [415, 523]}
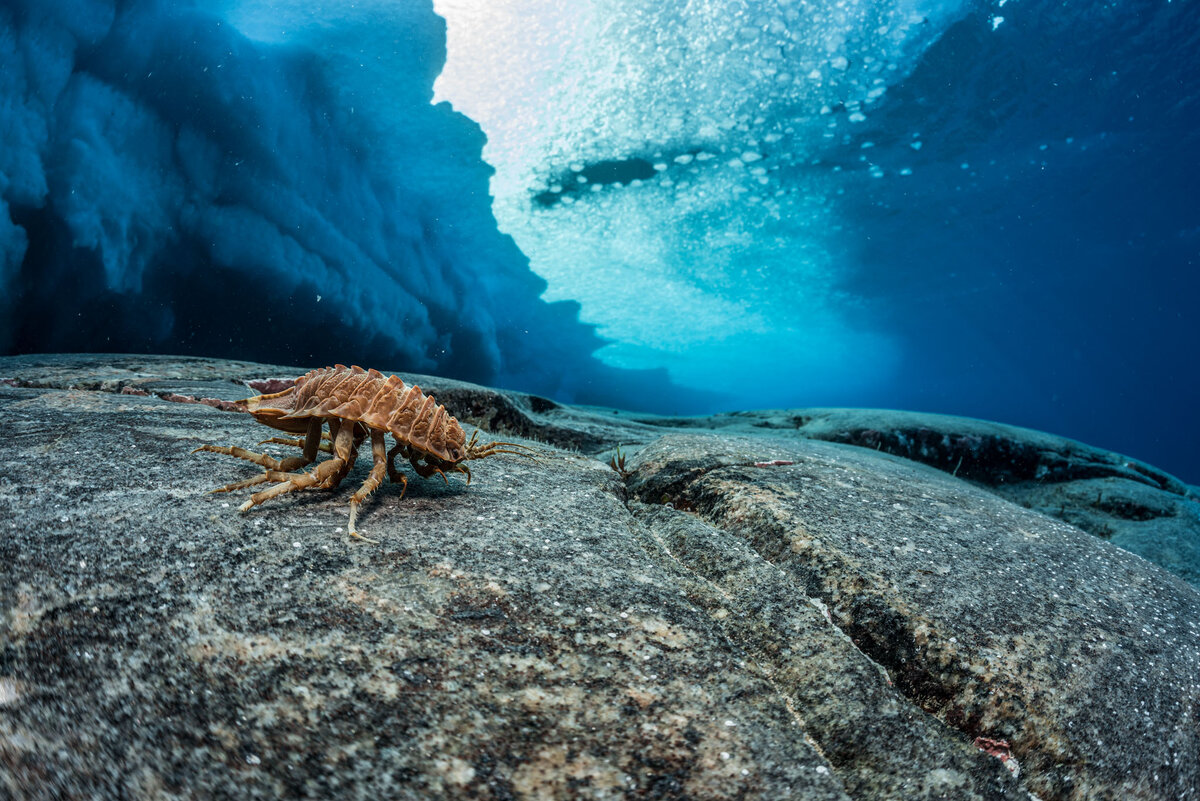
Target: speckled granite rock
{"type": "Point", "coordinates": [843, 627]}
{"type": "Point", "coordinates": [1119, 499]}
{"type": "Point", "coordinates": [508, 640]}
{"type": "Point", "coordinates": [1127, 502]}
{"type": "Point", "coordinates": [1001, 622]}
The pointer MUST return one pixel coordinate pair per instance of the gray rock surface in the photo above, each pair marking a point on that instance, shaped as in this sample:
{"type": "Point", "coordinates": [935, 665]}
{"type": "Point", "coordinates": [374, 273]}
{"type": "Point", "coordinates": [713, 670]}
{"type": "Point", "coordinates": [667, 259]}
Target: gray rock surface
{"type": "Point", "coordinates": [739, 612]}
{"type": "Point", "coordinates": [1127, 502]}
{"type": "Point", "coordinates": [997, 620]}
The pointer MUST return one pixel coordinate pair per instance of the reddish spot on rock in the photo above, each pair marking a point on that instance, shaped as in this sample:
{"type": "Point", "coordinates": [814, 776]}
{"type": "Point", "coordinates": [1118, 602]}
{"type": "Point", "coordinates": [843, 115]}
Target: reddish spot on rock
{"type": "Point", "coordinates": [267, 386]}
{"type": "Point", "coordinates": [133, 391]}
{"type": "Point", "coordinates": [216, 403]}
{"type": "Point", "coordinates": [997, 748]}
{"type": "Point", "coordinates": [224, 405]}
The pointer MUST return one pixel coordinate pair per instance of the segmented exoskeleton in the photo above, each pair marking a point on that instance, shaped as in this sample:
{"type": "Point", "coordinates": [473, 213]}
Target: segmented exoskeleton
{"type": "Point", "coordinates": [356, 403]}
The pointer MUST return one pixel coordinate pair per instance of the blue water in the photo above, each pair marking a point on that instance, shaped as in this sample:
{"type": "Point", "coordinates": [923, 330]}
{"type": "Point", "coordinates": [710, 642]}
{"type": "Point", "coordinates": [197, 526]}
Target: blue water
{"type": "Point", "coordinates": [985, 209]}
{"type": "Point", "coordinates": [1054, 282]}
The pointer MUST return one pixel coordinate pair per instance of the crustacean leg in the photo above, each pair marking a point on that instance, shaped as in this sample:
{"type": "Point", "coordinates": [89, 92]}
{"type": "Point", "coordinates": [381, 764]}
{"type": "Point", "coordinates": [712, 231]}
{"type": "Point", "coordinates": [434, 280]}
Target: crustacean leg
{"type": "Point", "coordinates": [261, 459]}
{"type": "Point", "coordinates": [327, 474]}
{"type": "Point", "coordinates": [300, 442]}
{"type": "Point", "coordinates": [395, 475]}
{"type": "Point", "coordinates": [360, 432]}
{"type": "Point", "coordinates": [425, 470]}
{"type": "Point", "coordinates": [270, 475]}
{"type": "Point", "coordinates": [296, 481]}
{"type": "Point", "coordinates": [275, 467]}
{"type": "Point", "coordinates": [373, 481]}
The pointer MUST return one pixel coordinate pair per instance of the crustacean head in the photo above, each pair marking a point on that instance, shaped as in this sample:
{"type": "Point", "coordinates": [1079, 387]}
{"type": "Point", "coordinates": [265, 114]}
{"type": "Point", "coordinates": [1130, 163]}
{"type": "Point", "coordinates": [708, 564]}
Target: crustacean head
{"type": "Point", "coordinates": [474, 449]}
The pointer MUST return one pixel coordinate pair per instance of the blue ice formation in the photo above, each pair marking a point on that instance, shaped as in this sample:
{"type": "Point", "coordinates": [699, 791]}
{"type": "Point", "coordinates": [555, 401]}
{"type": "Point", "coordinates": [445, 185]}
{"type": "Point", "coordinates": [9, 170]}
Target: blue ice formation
{"type": "Point", "coordinates": [978, 207]}
{"type": "Point", "coordinates": [243, 180]}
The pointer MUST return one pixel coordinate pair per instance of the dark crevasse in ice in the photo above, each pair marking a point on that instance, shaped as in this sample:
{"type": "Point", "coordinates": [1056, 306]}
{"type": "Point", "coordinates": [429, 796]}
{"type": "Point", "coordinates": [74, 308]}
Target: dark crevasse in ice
{"type": "Point", "coordinates": [169, 184]}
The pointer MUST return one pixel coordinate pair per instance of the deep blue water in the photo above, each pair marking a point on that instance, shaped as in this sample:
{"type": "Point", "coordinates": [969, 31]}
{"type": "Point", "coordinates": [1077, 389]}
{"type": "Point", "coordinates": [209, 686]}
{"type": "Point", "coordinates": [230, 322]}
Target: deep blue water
{"type": "Point", "coordinates": [1054, 283]}
{"type": "Point", "coordinates": [985, 209]}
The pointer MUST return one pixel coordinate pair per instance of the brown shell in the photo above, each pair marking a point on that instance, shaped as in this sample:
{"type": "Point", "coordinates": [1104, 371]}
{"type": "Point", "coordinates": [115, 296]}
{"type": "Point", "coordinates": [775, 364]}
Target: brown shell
{"type": "Point", "coordinates": [383, 404]}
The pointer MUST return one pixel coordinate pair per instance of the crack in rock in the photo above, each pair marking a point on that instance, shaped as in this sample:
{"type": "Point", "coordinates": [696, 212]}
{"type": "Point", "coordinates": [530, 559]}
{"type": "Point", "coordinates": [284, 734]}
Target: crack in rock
{"type": "Point", "coordinates": [1001, 623]}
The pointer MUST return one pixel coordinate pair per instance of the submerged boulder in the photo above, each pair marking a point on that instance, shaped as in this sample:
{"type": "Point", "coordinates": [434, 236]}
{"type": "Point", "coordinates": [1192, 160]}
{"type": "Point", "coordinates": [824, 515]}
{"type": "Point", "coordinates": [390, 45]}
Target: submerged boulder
{"type": "Point", "coordinates": [724, 611]}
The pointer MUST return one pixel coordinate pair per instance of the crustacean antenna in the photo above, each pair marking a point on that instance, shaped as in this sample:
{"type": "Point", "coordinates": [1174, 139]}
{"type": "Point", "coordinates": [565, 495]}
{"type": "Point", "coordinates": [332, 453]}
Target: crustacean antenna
{"type": "Point", "coordinates": [476, 450]}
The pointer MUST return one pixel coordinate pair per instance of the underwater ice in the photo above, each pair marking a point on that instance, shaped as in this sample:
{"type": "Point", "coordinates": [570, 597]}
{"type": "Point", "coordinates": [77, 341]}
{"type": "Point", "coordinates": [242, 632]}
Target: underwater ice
{"type": "Point", "coordinates": [721, 262]}
{"type": "Point", "coordinates": [852, 202]}
{"type": "Point", "coordinates": [262, 181]}
{"type": "Point", "coordinates": [782, 202]}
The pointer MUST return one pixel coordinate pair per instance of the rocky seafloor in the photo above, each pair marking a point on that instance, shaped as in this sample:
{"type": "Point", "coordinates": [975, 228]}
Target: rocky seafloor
{"type": "Point", "coordinates": [808, 604]}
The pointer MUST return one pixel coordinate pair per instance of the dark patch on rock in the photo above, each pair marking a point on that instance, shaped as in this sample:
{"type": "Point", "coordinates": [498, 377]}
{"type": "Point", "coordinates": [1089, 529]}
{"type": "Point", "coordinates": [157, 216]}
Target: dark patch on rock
{"type": "Point", "coordinates": [993, 459]}
{"type": "Point", "coordinates": [1147, 511]}
{"type": "Point", "coordinates": [542, 405]}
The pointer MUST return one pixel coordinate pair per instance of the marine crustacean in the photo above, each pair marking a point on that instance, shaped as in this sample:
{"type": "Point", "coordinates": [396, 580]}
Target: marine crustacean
{"type": "Point", "coordinates": [355, 403]}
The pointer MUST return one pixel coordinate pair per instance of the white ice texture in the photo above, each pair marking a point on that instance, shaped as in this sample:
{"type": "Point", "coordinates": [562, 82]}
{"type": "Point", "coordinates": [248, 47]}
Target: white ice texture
{"type": "Point", "coordinates": [275, 172]}
{"type": "Point", "coordinates": [656, 163]}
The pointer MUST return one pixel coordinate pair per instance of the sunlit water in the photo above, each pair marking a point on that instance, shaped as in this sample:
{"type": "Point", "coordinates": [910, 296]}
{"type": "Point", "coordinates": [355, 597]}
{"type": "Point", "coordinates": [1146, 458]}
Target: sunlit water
{"type": "Point", "coordinates": [978, 208]}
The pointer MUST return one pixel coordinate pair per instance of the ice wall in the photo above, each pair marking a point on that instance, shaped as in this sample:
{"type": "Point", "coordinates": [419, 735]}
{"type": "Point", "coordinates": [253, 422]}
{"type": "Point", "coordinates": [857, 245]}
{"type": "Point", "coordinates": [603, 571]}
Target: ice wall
{"type": "Point", "coordinates": [655, 162]}
{"type": "Point", "coordinates": [265, 181]}
{"type": "Point", "coordinates": [979, 207]}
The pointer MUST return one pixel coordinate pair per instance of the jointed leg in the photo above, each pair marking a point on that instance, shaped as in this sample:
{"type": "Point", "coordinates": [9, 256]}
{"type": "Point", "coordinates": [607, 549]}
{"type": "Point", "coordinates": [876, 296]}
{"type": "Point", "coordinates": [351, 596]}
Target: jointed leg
{"type": "Point", "coordinates": [261, 459]}
{"type": "Point", "coordinates": [327, 473]}
{"type": "Point", "coordinates": [345, 450]}
{"type": "Point", "coordinates": [342, 436]}
{"type": "Point", "coordinates": [314, 437]}
{"type": "Point", "coordinates": [295, 481]}
{"type": "Point", "coordinates": [311, 443]}
{"type": "Point", "coordinates": [297, 441]}
{"type": "Point", "coordinates": [373, 480]}
{"type": "Point", "coordinates": [343, 441]}
{"type": "Point", "coordinates": [426, 470]}
{"type": "Point", "coordinates": [270, 475]}
{"type": "Point", "coordinates": [395, 475]}
{"type": "Point", "coordinates": [300, 442]}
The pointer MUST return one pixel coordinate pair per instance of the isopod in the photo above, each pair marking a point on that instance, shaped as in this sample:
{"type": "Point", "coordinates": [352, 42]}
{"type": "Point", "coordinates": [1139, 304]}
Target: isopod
{"type": "Point", "coordinates": [355, 403]}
